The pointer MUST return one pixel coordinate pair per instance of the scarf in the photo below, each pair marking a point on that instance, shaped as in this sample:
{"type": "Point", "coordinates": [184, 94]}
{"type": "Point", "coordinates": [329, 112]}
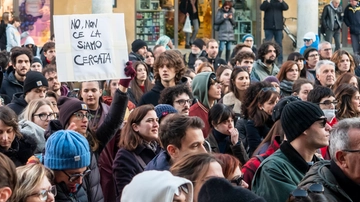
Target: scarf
{"type": "Point", "coordinates": [286, 86]}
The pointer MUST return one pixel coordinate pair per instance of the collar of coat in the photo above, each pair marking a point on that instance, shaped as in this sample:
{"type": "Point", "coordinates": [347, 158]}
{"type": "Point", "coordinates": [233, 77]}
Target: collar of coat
{"type": "Point", "coordinates": [230, 99]}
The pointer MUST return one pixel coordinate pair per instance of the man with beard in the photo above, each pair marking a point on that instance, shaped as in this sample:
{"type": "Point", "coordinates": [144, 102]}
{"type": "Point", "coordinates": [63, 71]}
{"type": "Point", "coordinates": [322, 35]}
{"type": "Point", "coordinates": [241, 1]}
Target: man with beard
{"type": "Point", "coordinates": [325, 50]}
{"type": "Point", "coordinates": [212, 50]}
{"type": "Point", "coordinates": [196, 52]}
{"type": "Point", "coordinates": [13, 82]}
{"type": "Point", "coordinates": [311, 56]}
{"type": "Point", "coordinates": [139, 49]}
{"type": "Point", "coordinates": [50, 74]}
{"type": "Point", "coordinates": [180, 97]}
{"type": "Point", "coordinates": [265, 64]}
{"type": "Point", "coordinates": [325, 73]}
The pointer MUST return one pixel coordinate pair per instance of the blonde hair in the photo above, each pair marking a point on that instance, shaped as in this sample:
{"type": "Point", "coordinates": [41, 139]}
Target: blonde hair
{"type": "Point", "coordinates": [33, 106]}
{"type": "Point", "coordinates": [30, 176]}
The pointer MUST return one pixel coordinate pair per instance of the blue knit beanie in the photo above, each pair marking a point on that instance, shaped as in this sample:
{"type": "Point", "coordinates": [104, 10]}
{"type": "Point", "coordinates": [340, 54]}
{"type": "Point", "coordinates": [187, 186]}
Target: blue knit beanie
{"type": "Point", "coordinates": [66, 149]}
{"type": "Point", "coordinates": [247, 36]}
{"type": "Point", "coordinates": [164, 109]}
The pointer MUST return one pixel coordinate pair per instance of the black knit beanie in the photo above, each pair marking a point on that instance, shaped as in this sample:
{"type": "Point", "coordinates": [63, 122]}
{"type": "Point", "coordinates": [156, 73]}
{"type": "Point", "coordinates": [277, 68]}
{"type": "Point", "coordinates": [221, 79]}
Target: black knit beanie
{"type": "Point", "coordinates": [137, 44]}
{"type": "Point", "coordinates": [276, 114]}
{"type": "Point", "coordinates": [34, 79]}
{"type": "Point", "coordinates": [220, 189]}
{"type": "Point", "coordinates": [67, 107]}
{"type": "Point", "coordinates": [298, 116]}
{"type": "Point", "coordinates": [199, 43]}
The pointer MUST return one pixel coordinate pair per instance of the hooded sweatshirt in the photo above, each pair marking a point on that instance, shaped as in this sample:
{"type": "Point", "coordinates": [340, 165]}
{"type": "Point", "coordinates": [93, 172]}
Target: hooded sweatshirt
{"type": "Point", "coordinates": [155, 186]}
{"type": "Point", "coordinates": [30, 129]}
{"type": "Point", "coordinates": [35, 50]}
{"type": "Point", "coordinates": [200, 91]}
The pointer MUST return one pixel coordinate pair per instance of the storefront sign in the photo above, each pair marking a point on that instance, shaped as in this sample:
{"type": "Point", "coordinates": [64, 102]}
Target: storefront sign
{"type": "Point", "coordinates": [90, 47]}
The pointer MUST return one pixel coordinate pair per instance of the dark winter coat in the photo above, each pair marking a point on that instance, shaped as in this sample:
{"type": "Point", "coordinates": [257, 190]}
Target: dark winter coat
{"type": "Point", "coordinates": [132, 97]}
{"type": "Point", "coordinates": [191, 58]}
{"type": "Point", "coordinates": [63, 194]}
{"type": "Point", "coordinates": [3, 36]}
{"type": "Point", "coordinates": [126, 166]}
{"type": "Point", "coordinates": [329, 15]}
{"type": "Point", "coordinates": [135, 57]}
{"type": "Point", "coordinates": [91, 183]}
{"type": "Point", "coordinates": [352, 18]}
{"type": "Point", "coordinates": [216, 62]}
{"type": "Point", "coordinates": [186, 7]}
{"type": "Point", "coordinates": [160, 162]}
{"type": "Point", "coordinates": [18, 103]}
{"type": "Point", "coordinates": [321, 172]}
{"type": "Point", "coordinates": [236, 150]}
{"type": "Point", "coordinates": [21, 150]}
{"type": "Point", "coordinates": [10, 85]}
{"type": "Point", "coordinates": [226, 25]}
{"type": "Point", "coordinates": [273, 14]}
{"type": "Point", "coordinates": [255, 134]}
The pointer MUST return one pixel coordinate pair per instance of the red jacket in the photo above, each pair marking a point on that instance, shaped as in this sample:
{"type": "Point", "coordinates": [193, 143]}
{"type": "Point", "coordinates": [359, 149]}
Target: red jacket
{"type": "Point", "coordinates": [202, 112]}
{"type": "Point", "coordinates": [253, 164]}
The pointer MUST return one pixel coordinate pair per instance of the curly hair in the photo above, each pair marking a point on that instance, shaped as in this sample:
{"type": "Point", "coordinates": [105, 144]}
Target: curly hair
{"type": "Point", "coordinates": [344, 78]}
{"type": "Point", "coordinates": [254, 96]}
{"type": "Point", "coordinates": [172, 59]}
{"type": "Point", "coordinates": [169, 94]}
{"type": "Point", "coordinates": [20, 51]}
{"type": "Point", "coordinates": [263, 50]}
{"type": "Point", "coordinates": [345, 109]}
{"type": "Point", "coordinates": [237, 48]}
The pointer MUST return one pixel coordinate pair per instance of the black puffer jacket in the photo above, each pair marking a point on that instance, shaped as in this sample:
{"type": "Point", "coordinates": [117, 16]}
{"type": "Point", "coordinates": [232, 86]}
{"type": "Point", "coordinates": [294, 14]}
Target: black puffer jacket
{"type": "Point", "coordinates": [10, 85]}
{"type": "Point", "coordinates": [273, 17]}
{"type": "Point", "coordinates": [63, 194]}
{"type": "Point", "coordinates": [21, 150]}
{"type": "Point", "coordinates": [18, 103]}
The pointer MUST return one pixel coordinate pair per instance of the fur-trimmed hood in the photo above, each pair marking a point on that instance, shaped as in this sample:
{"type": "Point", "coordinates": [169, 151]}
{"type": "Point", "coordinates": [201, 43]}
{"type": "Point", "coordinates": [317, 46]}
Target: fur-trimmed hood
{"type": "Point", "coordinates": [231, 101]}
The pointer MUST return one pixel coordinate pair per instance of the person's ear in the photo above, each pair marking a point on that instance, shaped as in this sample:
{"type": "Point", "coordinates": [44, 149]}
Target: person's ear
{"type": "Point", "coordinates": [172, 151]}
{"type": "Point", "coordinates": [101, 92]}
{"type": "Point", "coordinates": [340, 157]}
{"type": "Point", "coordinates": [135, 127]}
{"type": "Point", "coordinates": [260, 106]}
{"type": "Point", "coordinates": [5, 194]}
{"type": "Point", "coordinates": [317, 76]}
{"type": "Point", "coordinates": [294, 94]}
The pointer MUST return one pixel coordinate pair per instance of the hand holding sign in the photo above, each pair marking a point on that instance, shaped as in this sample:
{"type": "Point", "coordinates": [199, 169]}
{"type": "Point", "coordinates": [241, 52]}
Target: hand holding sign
{"type": "Point", "coordinates": [130, 72]}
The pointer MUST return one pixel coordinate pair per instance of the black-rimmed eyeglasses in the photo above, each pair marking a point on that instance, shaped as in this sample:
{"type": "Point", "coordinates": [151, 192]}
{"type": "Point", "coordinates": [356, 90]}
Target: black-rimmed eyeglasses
{"type": "Point", "coordinates": [44, 116]}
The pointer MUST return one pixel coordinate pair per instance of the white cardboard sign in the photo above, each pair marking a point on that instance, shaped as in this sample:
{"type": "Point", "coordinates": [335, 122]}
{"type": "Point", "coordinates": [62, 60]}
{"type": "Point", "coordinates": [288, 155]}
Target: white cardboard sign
{"type": "Point", "coordinates": [90, 47]}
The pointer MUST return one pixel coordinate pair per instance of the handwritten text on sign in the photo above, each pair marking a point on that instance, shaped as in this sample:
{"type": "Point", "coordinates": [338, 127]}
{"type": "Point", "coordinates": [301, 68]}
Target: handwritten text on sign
{"type": "Point", "coordinates": [90, 41]}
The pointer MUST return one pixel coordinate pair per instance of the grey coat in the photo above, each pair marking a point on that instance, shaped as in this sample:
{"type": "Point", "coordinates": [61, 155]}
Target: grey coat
{"type": "Point", "coordinates": [226, 25]}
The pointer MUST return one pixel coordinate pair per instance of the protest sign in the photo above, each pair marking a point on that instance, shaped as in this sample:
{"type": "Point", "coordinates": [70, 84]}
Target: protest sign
{"type": "Point", "coordinates": [90, 47]}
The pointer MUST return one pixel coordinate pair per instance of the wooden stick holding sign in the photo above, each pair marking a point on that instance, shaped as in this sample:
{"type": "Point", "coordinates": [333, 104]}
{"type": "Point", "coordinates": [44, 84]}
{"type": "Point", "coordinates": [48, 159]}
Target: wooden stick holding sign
{"type": "Point", "coordinates": [90, 47]}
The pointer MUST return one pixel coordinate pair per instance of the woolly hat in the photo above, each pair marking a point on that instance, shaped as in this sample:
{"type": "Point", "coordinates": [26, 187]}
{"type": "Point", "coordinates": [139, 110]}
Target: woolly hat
{"type": "Point", "coordinates": [137, 44]}
{"type": "Point", "coordinates": [298, 116]}
{"type": "Point", "coordinates": [35, 60]}
{"type": "Point", "coordinates": [164, 109]}
{"type": "Point", "coordinates": [34, 80]}
{"type": "Point", "coordinates": [220, 189]}
{"type": "Point", "coordinates": [66, 149]}
{"type": "Point", "coordinates": [272, 79]}
{"type": "Point", "coordinates": [166, 185]}
{"type": "Point", "coordinates": [199, 43]}
{"type": "Point", "coordinates": [280, 106]}
{"type": "Point", "coordinates": [247, 36]}
{"type": "Point", "coordinates": [310, 35]}
{"type": "Point", "coordinates": [67, 107]}
{"type": "Point", "coordinates": [307, 52]}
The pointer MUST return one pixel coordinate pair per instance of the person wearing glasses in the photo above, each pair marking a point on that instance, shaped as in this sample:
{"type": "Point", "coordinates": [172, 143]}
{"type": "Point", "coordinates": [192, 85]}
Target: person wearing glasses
{"type": "Point", "coordinates": [67, 154]}
{"type": "Point", "coordinates": [348, 105]}
{"type": "Point", "coordinates": [224, 137]}
{"type": "Point", "coordinates": [265, 65]}
{"type": "Point", "coordinates": [35, 120]}
{"type": "Point", "coordinates": [310, 40]}
{"type": "Point", "coordinates": [325, 98]}
{"type": "Point", "coordinates": [206, 89]}
{"type": "Point", "coordinates": [260, 100]}
{"type": "Point", "coordinates": [325, 73]}
{"type": "Point", "coordinates": [306, 130]}
{"type": "Point", "coordinates": [35, 87]}
{"type": "Point", "coordinates": [35, 184]}
{"type": "Point", "coordinates": [311, 56]}
{"type": "Point", "coordinates": [168, 188]}
{"type": "Point", "coordinates": [340, 175]}
{"type": "Point", "coordinates": [179, 96]}
{"type": "Point", "coordinates": [325, 50]}
{"type": "Point", "coordinates": [19, 148]}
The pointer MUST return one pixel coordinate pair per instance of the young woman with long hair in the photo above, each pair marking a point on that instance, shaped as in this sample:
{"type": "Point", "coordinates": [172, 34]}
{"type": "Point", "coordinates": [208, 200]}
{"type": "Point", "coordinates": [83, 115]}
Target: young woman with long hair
{"type": "Point", "coordinates": [348, 98]}
{"type": "Point", "coordinates": [141, 83]}
{"type": "Point", "coordinates": [288, 74]}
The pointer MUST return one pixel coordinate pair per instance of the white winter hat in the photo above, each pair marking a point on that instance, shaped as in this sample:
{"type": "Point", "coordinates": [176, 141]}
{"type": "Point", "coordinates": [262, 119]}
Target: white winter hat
{"type": "Point", "coordinates": [310, 35]}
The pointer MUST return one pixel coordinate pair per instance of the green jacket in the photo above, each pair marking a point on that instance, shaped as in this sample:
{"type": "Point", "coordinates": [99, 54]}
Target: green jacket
{"type": "Point", "coordinates": [320, 173]}
{"type": "Point", "coordinates": [260, 71]}
{"type": "Point", "coordinates": [279, 174]}
{"type": "Point", "coordinates": [200, 87]}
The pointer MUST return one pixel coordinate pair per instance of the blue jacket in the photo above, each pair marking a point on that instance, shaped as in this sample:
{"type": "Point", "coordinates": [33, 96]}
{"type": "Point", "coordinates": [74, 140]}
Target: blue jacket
{"type": "Point", "coordinates": [352, 18]}
{"type": "Point", "coordinates": [160, 162]}
{"type": "Point", "coordinates": [315, 44]}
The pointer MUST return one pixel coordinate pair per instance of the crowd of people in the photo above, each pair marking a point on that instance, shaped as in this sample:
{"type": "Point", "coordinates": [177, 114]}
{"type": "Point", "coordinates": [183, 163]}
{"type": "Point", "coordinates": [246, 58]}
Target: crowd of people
{"type": "Point", "coordinates": [191, 127]}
